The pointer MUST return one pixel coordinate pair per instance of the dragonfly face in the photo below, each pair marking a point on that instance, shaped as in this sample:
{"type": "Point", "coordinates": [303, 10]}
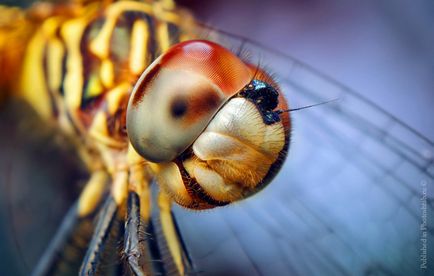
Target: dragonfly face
{"type": "Point", "coordinates": [210, 123]}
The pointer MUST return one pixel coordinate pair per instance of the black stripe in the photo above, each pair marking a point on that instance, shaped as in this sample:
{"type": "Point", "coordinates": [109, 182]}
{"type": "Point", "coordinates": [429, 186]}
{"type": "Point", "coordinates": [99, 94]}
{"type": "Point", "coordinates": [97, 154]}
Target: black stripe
{"type": "Point", "coordinates": [174, 33]}
{"type": "Point", "coordinates": [64, 58]}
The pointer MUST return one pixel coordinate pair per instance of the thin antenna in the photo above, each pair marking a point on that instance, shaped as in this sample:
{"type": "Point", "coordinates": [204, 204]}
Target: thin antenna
{"type": "Point", "coordinates": [307, 106]}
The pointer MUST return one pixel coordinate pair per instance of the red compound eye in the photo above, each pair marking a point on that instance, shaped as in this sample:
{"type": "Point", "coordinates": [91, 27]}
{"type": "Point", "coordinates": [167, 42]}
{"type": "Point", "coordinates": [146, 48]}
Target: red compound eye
{"type": "Point", "coordinates": [210, 60]}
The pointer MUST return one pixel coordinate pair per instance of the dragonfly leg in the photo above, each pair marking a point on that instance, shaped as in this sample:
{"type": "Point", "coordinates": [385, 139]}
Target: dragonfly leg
{"type": "Point", "coordinates": [103, 246]}
{"type": "Point", "coordinates": [70, 242]}
{"type": "Point", "coordinates": [139, 250]}
{"type": "Point", "coordinates": [92, 193]}
{"type": "Point", "coordinates": [174, 254]}
{"type": "Point", "coordinates": [134, 242]}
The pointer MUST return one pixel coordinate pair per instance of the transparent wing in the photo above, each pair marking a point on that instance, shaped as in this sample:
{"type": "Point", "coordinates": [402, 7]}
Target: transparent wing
{"type": "Point", "coordinates": [355, 195]}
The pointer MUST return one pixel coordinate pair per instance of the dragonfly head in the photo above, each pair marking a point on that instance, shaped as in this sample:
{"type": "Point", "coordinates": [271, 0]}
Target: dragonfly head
{"type": "Point", "coordinates": [204, 117]}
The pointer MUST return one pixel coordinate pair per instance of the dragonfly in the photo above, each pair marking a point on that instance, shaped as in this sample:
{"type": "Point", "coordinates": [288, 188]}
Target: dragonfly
{"type": "Point", "coordinates": [336, 218]}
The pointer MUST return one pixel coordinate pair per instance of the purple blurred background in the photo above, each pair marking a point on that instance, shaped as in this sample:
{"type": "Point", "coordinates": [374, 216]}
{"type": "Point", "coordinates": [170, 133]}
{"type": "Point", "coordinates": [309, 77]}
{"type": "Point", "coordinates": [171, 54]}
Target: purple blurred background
{"type": "Point", "coordinates": [383, 49]}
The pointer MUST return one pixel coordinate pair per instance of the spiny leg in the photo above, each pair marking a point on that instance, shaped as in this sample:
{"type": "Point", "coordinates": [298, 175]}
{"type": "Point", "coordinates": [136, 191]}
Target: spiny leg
{"type": "Point", "coordinates": [63, 256]}
{"type": "Point", "coordinates": [152, 243]}
{"type": "Point", "coordinates": [140, 250]}
{"type": "Point", "coordinates": [134, 236]}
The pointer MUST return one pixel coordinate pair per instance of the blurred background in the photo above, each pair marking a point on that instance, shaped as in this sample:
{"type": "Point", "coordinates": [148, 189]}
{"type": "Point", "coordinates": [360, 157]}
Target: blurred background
{"type": "Point", "coordinates": [349, 200]}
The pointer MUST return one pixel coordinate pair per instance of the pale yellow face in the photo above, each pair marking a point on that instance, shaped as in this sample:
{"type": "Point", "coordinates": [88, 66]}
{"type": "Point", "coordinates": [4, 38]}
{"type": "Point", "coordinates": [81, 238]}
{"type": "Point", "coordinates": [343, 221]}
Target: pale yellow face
{"type": "Point", "coordinates": [235, 152]}
{"type": "Point", "coordinates": [211, 138]}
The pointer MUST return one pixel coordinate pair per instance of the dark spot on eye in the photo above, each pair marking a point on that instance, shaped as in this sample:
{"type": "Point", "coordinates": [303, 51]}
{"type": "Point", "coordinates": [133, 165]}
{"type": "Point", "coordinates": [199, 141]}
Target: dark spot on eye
{"type": "Point", "coordinates": [203, 104]}
{"type": "Point", "coordinates": [141, 88]}
{"type": "Point", "coordinates": [178, 107]}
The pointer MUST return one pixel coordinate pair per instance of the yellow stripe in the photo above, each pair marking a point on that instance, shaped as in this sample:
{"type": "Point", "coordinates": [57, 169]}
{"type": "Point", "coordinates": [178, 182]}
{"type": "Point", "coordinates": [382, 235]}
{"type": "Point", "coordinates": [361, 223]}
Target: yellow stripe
{"type": "Point", "coordinates": [163, 36]}
{"type": "Point", "coordinates": [139, 47]}
{"type": "Point", "coordinates": [72, 32]}
{"type": "Point", "coordinates": [115, 96]}
{"type": "Point", "coordinates": [100, 46]}
{"type": "Point", "coordinates": [33, 85]}
{"type": "Point", "coordinates": [92, 193]}
{"type": "Point", "coordinates": [94, 86]}
{"type": "Point", "coordinates": [168, 4]}
{"type": "Point", "coordinates": [119, 189]}
{"type": "Point", "coordinates": [169, 231]}
{"type": "Point", "coordinates": [107, 73]}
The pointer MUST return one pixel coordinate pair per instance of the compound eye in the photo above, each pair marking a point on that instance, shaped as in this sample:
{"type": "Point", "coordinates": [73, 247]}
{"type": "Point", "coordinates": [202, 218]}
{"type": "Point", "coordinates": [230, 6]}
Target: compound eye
{"type": "Point", "coordinates": [178, 94]}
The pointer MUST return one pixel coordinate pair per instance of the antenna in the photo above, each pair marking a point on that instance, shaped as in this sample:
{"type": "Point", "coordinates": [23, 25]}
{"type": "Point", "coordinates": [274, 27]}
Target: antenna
{"type": "Point", "coordinates": [307, 106]}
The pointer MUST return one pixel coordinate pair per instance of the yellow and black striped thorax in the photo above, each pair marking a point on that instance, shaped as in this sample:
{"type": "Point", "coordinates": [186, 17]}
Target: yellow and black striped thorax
{"type": "Point", "coordinates": [83, 59]}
